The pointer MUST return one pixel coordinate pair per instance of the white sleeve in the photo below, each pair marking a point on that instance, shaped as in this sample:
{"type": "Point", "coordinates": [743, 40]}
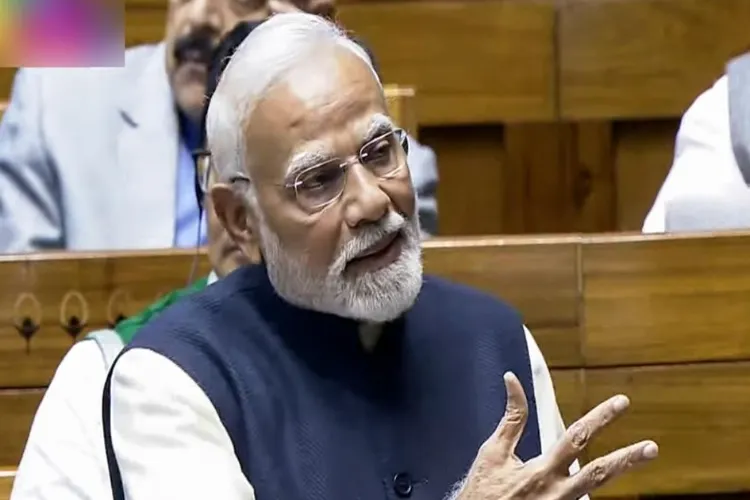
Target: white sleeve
{"type": "Point", "coordinates": [551, 425]}
{"type": "Point", "coordinates": [167, 436]}
{"type": "Point", "coordinates": [64, 455]}
{"type": "Point", "coordinates": [704, 162]}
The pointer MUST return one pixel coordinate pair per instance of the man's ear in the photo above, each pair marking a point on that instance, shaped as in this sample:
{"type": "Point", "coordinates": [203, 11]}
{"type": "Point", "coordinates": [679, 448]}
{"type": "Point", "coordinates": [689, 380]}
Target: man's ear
{"type": "Point", "coordinates": [234, 214]}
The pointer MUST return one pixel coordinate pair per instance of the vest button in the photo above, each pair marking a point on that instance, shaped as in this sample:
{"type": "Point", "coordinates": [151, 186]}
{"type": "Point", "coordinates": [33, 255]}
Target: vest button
{"type": "Point", "coordinates": [402, 484]}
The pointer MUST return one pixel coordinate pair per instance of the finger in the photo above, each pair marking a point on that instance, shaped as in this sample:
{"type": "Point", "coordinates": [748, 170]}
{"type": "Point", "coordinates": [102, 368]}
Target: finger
{"type": "Point", "coordinates": [605, 468]}
{"type": "Point", "coordinates": [578, 435]}
{"type": "Point", "coordinates": [510, 429]}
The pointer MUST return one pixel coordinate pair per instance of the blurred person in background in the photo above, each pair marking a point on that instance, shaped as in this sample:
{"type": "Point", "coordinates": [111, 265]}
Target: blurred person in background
{"type": "Point", "coordinates": [711, 161]}
{"type": "Point", "coordinates": [100, 158]}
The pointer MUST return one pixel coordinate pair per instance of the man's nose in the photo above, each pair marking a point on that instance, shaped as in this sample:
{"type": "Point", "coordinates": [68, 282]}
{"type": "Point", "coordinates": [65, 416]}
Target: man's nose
{"type": "Point", "coordinates": [365, 201]}
{"type": "Point", "coordinates": [205, 14]}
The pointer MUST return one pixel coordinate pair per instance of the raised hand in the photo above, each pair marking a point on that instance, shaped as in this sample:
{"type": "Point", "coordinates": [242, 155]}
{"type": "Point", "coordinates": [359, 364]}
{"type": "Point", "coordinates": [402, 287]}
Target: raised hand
{"type": "Point", "coordinates": [497, 473]}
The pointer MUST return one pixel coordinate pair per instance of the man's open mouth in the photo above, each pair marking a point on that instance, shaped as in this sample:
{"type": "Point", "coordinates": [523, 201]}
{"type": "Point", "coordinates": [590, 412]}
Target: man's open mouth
{"type": "Point", "coordinates": [379, 255]}
{"type": "Point", "coordinates": [193, 57]}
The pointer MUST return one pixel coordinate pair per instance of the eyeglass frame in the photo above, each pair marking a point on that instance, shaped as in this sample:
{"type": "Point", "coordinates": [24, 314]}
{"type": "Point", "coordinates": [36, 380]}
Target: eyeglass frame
{"type": "Point", "coordinates": [204, 155]}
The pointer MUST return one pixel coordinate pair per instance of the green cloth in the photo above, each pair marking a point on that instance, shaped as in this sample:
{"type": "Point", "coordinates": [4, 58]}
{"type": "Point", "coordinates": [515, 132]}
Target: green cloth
{"type": "Point", "coordinates": [127, 328]}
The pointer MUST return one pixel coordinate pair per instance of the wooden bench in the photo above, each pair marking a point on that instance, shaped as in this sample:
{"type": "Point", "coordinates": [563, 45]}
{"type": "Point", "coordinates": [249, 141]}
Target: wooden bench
{"type": "Point", "coordinates": [662, 319]}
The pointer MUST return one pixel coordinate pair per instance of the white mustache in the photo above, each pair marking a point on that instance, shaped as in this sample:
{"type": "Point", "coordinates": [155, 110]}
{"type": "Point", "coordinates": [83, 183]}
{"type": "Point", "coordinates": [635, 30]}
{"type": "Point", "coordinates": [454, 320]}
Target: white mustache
{"type": "Point", "coordinates": [393, 222]}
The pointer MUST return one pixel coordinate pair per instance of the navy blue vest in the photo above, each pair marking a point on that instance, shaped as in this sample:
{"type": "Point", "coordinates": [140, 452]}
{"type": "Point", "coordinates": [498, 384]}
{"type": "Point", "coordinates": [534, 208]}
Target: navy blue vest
{"type": "Point", "coordinates": [313, 415]}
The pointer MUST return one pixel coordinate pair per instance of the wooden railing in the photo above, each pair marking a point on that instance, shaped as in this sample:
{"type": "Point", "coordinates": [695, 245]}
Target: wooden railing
{"type": "Point", "coordinates": [663, 319]}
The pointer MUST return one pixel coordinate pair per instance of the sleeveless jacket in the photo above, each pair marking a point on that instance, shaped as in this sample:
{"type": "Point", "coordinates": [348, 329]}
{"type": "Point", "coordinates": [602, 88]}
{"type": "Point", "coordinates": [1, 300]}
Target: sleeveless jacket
{"type": "Point", "coordinates": [313, 415]}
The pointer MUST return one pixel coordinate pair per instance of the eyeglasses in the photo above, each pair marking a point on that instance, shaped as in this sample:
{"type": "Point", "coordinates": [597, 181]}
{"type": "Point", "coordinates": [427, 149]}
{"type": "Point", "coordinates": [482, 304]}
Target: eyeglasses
{"type": "Point", "coordinates": [318, 186]}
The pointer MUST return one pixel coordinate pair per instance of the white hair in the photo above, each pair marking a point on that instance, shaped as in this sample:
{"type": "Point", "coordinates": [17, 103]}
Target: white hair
{"type": "Point", "coordinates": [270, 52]}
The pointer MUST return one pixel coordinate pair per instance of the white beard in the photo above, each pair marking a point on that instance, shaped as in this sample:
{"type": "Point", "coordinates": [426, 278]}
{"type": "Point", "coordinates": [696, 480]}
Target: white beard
{"type": "Point", "coordinates": [377, 296]}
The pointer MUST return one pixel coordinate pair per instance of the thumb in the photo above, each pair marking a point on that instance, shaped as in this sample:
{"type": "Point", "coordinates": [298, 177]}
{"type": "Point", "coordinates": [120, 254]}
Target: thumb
{"type": "Point", "coordinates": [511, 427]}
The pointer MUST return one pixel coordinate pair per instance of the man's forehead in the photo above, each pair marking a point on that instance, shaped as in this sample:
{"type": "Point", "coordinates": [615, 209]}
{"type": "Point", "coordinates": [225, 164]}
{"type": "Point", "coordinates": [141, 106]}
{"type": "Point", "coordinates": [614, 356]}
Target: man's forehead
{"type": "Point", "coordinates": [313, 103]}
{"type": "Point", "coordinates": [329, 92]}
{"type": "Point", "coordinates": [332, 79]}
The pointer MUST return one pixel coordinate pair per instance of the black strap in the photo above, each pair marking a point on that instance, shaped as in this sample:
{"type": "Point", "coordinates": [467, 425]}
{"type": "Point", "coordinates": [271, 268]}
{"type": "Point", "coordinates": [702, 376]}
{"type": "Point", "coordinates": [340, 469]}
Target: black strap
{"type": "Point", "coordinates": [115, 480]}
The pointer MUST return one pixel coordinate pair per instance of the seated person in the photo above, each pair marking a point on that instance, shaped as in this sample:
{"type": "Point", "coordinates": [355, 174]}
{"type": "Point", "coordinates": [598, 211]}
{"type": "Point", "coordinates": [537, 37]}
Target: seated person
{"type": "Point", "coordinates": [334, 369]}
{"type": "Point", "coordinates": [99, 158]}
{"type": "Point", "coordinates": [64, 455]}
{"type": "Point", "coordinates": [712, 153]}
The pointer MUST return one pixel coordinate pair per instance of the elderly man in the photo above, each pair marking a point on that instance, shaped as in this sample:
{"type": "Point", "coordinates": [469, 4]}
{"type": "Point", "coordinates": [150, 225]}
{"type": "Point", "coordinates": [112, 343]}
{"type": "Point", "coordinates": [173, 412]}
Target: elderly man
{"type": "Point", "coordinates": [64, 456]}
{"type": "Point", "coordinates": [334, 370]}
{"type": "Point", "coordinates": [712, 160]}
{"type": "Point", "coordinates": [100, 159]}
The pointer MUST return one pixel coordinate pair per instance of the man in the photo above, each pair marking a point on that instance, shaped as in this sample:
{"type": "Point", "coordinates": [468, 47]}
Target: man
{"type": "Point", "coordinates": [99, 159]}
{"type": "Point", "coordinates": [64, 456]}
{"type": "Point", "coordinates": [712, 158]}
{"type": "Point", "coordinates": [334, 370]}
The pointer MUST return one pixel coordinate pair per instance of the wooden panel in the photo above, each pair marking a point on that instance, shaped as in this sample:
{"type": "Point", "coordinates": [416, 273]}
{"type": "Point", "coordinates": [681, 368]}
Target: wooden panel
{"type": "Point", "coordinates": [588, 161]}
{"type": "Point", "coordinates": [643, 300]}
{"type": "Point", "coordinates": [680, 49]}
{"type": "Point", "coordinates": [6, 483]}
{"type": "Point", "coordinates": [538, 279]}
{"type": "Point", "coordinates": [697, 414]}
{"type": "Point", "coordinates": [643, 157]}
{"type": "Point", "coordinates": [50, 292]}
{"type": "Point", "coordinates": [6, 81]}
{"type": "Point", "coordinates": [17, 408]}
{"type": "Point", "coordinates": [471, 164]}
{"type": "Point", "coordinates": [525, 178]}
{"type": "Point", "coordinates": [145, 22]}
{"type": "Point", "coordinates": [463, 57]}
{"type": "Point", "coordinates": [569, 388]}
{"type": "Point", "coordinates": [401, 107]}
{"type": "Point", "coordinates": [535, 181]}
{"type": "Point", "coordinates": [558, 178]}
{"type": "Point", "coordinates": [659, 300]}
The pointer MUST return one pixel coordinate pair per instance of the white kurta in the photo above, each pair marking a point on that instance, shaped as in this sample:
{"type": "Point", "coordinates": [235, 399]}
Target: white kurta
{"type": "Point", "coordinates": [169, 440]}
{"type": "Point", "coordinates": [704, 164]}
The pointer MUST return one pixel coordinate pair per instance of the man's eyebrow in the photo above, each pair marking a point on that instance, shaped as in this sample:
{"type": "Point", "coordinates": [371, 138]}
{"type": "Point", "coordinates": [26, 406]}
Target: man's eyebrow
{"type": "Point", "coordinates": [303, 161]}
{"type": "Point", "coordinates": [380, 124]}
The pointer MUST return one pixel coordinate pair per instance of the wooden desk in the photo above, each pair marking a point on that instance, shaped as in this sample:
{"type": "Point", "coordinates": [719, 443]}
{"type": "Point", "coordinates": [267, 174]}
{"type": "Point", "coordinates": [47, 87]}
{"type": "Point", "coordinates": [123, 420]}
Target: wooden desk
{"type": "Point", "coordinates": [659, 318]}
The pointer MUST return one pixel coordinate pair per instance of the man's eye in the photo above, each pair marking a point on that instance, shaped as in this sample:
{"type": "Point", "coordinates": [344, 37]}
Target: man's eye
{"type": "Point", "coordinates": [320, 178]}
